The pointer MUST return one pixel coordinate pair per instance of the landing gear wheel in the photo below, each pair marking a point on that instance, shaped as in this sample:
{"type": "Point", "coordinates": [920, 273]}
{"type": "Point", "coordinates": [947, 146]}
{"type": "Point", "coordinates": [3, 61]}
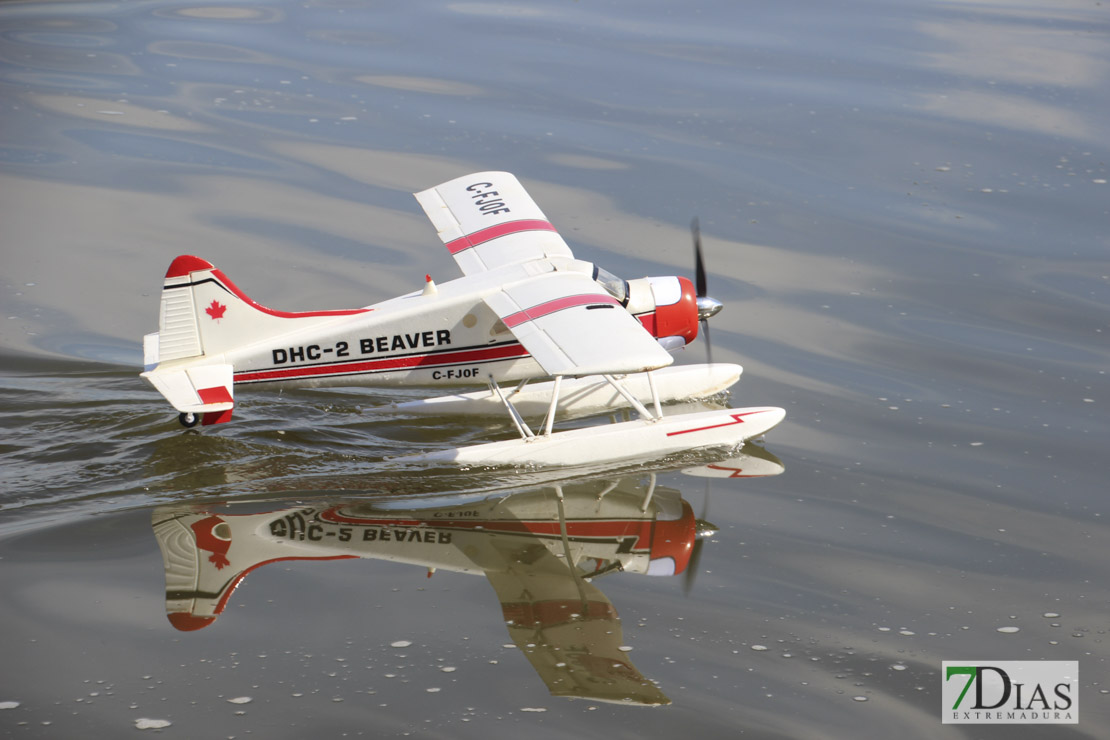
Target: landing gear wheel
{"type": "Point", "coordinates": [188, 420]}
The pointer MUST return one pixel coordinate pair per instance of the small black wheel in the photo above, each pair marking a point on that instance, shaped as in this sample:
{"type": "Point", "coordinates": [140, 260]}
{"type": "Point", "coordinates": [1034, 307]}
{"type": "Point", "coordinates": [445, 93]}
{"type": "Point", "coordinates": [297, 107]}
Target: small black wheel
{"type": "Point", "coordinates": [188, 420]}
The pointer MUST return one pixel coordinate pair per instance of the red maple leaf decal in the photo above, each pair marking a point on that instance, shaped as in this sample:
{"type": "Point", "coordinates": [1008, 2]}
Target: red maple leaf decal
{"type": "Point", "coordinates": [218, 560]}
{"type": "Point", "coordinates": [216, 310]}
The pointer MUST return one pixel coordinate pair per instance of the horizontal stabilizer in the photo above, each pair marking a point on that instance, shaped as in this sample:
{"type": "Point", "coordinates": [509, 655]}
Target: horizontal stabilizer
{"type": "Point", "coordinates": [202, 389]}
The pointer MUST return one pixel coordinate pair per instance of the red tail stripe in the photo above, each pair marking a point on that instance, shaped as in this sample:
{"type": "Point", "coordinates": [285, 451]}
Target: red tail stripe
{"type": "Point", "coordinates": [218, 274]}
{"type": "Point", "coordinates": [186, 265]}
{"type": "Point", "coordinates": [493, 232]}
{"type": "Point", "coordinates": [233, 584]}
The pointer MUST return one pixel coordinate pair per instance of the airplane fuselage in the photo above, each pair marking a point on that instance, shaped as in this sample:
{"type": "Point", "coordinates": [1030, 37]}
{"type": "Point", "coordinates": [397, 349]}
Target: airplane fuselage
{"type": "Point", "coordinates": [447, 337]}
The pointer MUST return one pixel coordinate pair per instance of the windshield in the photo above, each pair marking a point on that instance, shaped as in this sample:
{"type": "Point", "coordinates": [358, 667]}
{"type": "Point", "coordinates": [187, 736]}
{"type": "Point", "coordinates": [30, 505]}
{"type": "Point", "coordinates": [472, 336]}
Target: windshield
{"type": "Point", "coordinates": [615, 286]}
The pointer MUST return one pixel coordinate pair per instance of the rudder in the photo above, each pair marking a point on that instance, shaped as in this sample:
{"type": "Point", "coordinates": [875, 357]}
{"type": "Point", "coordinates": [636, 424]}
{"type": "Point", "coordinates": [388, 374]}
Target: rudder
{"type": "Point", "coordinates": [202, 316]}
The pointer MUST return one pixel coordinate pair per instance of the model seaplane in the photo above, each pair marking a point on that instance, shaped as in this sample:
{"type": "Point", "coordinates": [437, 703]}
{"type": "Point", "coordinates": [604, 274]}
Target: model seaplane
{"type": "Point", "coordinates": [524, 310]}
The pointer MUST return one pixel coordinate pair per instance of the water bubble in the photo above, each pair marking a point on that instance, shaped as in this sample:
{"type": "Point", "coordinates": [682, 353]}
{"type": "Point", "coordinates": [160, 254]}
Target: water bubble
{"type": "Point", "coordinates": [151, 724]}
{"type": "Point", "coordinates": [401, 643]}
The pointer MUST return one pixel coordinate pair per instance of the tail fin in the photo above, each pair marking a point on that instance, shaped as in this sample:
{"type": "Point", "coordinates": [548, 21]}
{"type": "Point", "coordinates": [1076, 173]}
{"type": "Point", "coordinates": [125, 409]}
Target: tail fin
{"type": "Point", "coordinates": [196, 592]}
{"type": "Point", "coordinates": [204, 315]}
{"type": "Point", "coordinates": [206, 555]}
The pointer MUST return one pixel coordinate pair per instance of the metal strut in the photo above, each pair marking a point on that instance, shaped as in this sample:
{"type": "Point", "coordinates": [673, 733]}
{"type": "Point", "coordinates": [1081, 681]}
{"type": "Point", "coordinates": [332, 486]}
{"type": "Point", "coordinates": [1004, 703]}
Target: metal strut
{"type": "Point", "coordinates": [650, 493]}
{"type": "Point", "coordinates": [654, 394]}
{"type": "Point", "coordinates": [518, 420]}
{"type": "Point", "coordinates": [567, 556]}
{"type": "Point", "coordinates": [632, 400]}
{"type": "Point", "coordinates": [550, 420]}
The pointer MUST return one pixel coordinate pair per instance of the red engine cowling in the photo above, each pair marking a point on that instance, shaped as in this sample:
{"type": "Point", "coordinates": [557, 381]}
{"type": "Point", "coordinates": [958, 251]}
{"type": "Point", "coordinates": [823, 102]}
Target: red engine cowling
{"type": "Point", "coordinates": [672, 543]}
{"type": "Point", "coordinates": [666, 306]}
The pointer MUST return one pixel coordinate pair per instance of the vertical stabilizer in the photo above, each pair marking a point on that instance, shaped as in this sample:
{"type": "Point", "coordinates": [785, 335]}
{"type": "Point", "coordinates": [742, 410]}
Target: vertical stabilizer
{"type": "Point", "coordinates": [178, 333]}
{"type": "Point", "coordinates": [202, 319]}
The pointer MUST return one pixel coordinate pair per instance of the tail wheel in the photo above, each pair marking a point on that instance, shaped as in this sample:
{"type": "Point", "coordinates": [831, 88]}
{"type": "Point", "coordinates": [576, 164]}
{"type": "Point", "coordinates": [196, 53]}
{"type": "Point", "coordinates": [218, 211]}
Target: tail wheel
{"type": "Point", "coordinates": [188, 420]}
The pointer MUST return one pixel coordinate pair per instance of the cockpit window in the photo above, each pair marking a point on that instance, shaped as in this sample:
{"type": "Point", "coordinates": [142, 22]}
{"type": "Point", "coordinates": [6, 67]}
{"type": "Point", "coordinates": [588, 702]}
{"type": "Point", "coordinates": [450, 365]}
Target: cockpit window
{"type": "Point", "coordinates": [614, 286]}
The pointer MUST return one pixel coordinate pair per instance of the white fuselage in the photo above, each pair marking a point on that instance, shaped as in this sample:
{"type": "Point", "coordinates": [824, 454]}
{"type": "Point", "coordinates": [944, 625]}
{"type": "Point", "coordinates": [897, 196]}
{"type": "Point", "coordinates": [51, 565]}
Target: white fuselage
{"type": "Point", "coordinates": [446, 336]}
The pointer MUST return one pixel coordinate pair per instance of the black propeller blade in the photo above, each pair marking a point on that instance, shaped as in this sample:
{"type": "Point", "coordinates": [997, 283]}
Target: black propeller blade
{"type": "Point", "coordinates": [699, 263]}
{"type": "Point", "coordinates": [702, 529]}
{"type": "Point", "coordinates": [692, 567]}
{"type": "Point", "coordinates": [706, 306]}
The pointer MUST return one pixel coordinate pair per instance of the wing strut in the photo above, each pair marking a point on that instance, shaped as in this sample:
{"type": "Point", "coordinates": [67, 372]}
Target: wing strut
{"type": "Point", "coordinates": [632, 400]}
{"type": "Point", "coordinates": [551, 409]}
{"type": "Point", "coordinates": [528, 435]}
{"type": "Point", "coordinates": [518, 420]}
{"type": "Point", "coordinates": [567, 556]}
{"type": "Point", "coordinates": [654, 394]}
{"type": "Point", "coordinates": [650, 492]}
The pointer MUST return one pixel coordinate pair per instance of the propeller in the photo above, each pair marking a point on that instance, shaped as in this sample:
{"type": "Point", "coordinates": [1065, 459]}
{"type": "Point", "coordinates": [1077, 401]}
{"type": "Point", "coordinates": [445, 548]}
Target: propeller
{"type": "Point", "coordinates": [707, 306]}
{"type": "Point", "coordinates": [702, 529]}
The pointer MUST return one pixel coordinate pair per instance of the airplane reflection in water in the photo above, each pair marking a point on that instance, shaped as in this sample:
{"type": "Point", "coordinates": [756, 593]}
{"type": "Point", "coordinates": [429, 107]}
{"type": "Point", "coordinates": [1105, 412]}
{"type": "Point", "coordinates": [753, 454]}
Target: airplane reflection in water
{"type": "Point", "coordinates": [539, 548]}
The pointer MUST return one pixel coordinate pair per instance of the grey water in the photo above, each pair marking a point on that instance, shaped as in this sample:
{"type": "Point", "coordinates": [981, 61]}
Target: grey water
{"type": "Point", "coordinates": [904, 208]}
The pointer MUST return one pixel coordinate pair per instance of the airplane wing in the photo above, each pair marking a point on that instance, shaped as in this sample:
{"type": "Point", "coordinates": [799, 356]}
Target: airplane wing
{"type": "Point", "coordinates": [571, 326]}
{"type": "Point", "coordinates": [567, 628]}
{"type": "Point", "coordinates": [488, 220]}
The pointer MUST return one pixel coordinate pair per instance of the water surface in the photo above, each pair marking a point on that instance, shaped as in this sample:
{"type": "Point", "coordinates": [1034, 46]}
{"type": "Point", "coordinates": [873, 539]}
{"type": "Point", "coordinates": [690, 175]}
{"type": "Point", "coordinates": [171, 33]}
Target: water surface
{"type": "Point", "coordinates": [905, 211]}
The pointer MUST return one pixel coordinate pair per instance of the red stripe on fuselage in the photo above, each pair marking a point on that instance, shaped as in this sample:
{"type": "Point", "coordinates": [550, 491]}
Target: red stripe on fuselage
{"type": "Point", "coordinates": [428, 361]}
{"type": "Point", "coordinates": [596, 529]}
{"type": "Point", "coordinates": [493, 232]}
{"type": "Point", "coordinates": [558, 304]}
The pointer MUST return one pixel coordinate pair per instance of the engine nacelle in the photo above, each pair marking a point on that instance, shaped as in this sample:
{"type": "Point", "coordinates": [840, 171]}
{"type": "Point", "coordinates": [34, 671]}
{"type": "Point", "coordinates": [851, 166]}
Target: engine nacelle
{"type": "Point", "coordinates": [667, 307]}
{"type": "Point", "coordinates": [672, 543]}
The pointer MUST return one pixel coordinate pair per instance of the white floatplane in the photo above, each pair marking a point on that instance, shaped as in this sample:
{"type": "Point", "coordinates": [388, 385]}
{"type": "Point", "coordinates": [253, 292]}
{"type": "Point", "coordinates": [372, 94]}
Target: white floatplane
{"type": "Point", "coordinates": [524, 310]}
